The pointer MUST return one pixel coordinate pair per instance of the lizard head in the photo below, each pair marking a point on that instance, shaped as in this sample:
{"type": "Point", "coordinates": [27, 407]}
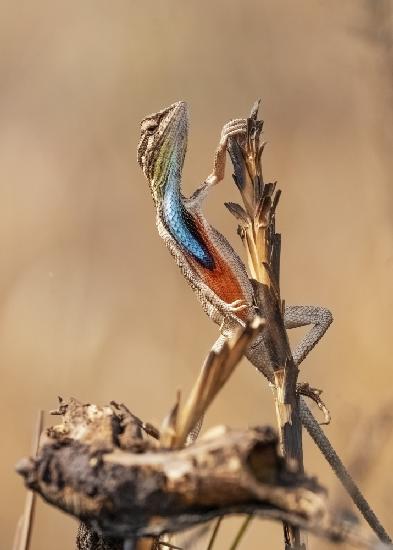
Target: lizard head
{"type": "Point", "coordinates": [162, 146]}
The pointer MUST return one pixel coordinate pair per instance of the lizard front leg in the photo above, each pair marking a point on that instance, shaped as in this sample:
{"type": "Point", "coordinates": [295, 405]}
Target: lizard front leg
{"type": "Point", "coordinates": [299, 316]}
{"type": "Point", "coordinates": [232, 128]}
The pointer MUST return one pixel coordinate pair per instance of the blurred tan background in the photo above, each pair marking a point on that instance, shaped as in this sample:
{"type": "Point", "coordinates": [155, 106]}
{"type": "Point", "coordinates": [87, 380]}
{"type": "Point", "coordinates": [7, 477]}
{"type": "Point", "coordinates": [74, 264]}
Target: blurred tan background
{"type": "Point", "coordinates": [93, 306]}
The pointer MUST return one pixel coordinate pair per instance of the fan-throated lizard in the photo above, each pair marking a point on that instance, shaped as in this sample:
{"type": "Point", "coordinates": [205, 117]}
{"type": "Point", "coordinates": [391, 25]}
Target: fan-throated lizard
{"type": "Point", "coordinates": [206, 259]}
{"type": "Point", "coordinates": [211, 266]}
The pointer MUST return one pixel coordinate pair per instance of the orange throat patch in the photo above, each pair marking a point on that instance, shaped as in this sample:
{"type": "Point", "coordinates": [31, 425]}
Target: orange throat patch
{"type": "Point", "coordinates": [222, 279]}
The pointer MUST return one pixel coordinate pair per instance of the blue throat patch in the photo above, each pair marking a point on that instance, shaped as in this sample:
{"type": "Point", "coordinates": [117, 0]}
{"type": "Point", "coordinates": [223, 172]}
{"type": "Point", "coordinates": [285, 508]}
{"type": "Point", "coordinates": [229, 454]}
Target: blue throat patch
{"type": "Point", "coordinates": [181, 224]}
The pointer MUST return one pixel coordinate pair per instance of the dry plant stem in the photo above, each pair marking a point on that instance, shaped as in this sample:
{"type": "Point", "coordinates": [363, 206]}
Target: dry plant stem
{"type": "Point", "coordinates": [214, 534]}
{"type": "Point", "coordinates": [17, 535]}
{"type": "Point", "coordinates": [25, 524]}
{"type": "Point", "coordinates": [241, 532]}
{"type": "Point", "coordinates": [284, 390]}
{"type": "Point", "coordinates": [259, 238]}
{"type": "Point", "coordinates": [192, 538]}
{"type": "Point", "coordinates": [183, 425]}
{"type": "Point", "coordinates": [214, 374]}
{"type": "Point", "coordinates": [256, 228]}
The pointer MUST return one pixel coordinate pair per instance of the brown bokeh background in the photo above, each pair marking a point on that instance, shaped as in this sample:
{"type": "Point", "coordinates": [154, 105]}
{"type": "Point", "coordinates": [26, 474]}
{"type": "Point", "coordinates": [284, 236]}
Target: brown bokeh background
{"type": "Point", "coordinates": [93, 306]}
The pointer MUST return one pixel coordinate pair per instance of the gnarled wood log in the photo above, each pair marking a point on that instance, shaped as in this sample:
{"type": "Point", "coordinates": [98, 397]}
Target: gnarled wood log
{"type": "Point", "coordinates": [95, 466]}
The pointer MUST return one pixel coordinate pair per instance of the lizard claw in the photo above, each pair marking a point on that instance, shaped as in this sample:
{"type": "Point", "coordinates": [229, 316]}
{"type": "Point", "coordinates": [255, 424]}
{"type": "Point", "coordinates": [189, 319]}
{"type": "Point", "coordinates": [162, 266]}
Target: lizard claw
{"type": "Point", "coordinates": [237, 305]}
{"type": "Point", "coordinates": [314, 394]}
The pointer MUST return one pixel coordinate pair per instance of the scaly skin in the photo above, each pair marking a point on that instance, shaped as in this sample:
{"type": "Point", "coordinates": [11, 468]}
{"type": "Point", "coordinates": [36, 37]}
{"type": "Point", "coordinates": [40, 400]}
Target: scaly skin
{"type": "Point", "coordinates": [212, 267]}
{"type": "Point", "coordinates": [206, 259]}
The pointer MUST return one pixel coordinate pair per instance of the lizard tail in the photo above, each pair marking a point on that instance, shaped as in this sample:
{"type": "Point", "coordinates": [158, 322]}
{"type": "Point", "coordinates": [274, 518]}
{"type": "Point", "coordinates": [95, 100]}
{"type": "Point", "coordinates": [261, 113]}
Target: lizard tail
{"type": "Point", "coordinates": [341, 472]}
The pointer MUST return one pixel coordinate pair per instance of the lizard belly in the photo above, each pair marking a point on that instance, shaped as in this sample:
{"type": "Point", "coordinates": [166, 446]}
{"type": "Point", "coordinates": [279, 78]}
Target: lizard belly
{"type": "Point", "coordinates": [222, 279]}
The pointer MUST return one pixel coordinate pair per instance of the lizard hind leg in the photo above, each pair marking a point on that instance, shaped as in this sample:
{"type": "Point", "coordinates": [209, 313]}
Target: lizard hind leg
{"type": "Point", "coordinates": [299, 316]}
{"type": "Point", "coordinates": [320, 318]}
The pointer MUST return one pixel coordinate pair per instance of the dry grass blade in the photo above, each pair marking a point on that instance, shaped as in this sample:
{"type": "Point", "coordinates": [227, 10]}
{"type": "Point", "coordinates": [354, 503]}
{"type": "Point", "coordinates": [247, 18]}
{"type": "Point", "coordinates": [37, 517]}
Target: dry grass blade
{"type": "Point", "coordinates": [241, 532]}
{"type": "Point", "coordinates": [193, 538]}
{"type": "Point", "coordinates": [17, 535]}
{"type": "Point", "coordinates": [168, 427]}
{"type": "Point", "coordinates": [215, 372]}
{"type": "Point", "coordinates": [214, 534]}
{"type": "Point", "coordinates": [25, 527]}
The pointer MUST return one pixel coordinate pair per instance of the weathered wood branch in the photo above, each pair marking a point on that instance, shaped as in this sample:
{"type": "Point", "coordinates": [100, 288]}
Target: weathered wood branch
{"type": "Point", "coordinates": [95, 466]}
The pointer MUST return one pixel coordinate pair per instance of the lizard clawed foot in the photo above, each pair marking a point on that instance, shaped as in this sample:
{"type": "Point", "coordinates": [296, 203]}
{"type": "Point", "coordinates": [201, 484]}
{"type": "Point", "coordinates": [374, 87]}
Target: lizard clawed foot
{"type": "Point", "coordinates": [232, 309]}
{"type": "Point", "coordinates": [237, 305]}
{"type": "Point", "coordinates": [232, 128]}
{"type": "Point", "coordinates": [314, 394]}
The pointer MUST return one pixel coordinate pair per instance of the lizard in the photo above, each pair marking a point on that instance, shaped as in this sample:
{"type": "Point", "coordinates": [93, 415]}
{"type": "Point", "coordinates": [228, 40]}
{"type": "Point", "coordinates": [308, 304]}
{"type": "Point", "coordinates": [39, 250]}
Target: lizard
{"type": "Point", "coordinates": [211, 266]}
{"type": "Point", "coordinates": [207, 260]}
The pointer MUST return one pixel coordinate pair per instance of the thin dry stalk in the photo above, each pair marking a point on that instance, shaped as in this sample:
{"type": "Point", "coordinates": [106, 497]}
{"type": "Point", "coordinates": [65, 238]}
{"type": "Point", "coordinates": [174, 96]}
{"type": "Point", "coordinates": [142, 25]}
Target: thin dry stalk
{"type": "Point", "coordinates": [25, 524]}
{"type": "Point", "coordinates": [214, 374]}
{"type": "Point", "coordinates": [17, 535]}
{"type": "Point", "coordinates": [216, 370]}
{"type": "Point", "coordinates": [214, 534]}
{"type": "Point", "coordinates": [240, 534]}
{"type": "Point", "coordinates": [257, 231]}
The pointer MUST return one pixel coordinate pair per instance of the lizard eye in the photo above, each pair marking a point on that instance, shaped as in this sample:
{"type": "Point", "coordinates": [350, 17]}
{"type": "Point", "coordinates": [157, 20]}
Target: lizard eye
{"type": "Point", "coordinates": [151, 128]}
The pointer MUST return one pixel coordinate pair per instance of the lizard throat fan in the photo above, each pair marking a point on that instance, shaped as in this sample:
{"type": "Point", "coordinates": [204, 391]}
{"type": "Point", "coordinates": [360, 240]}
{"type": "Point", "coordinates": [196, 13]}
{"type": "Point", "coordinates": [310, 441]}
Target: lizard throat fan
{"type": "Point", "coordinates": [161, 153]}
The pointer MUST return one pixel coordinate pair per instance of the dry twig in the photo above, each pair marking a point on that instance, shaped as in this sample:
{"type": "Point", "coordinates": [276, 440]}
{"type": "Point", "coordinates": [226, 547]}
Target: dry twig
{"type": "Point", "coordinates": [215, 372]}
{"type": "Point", "coordinates": [25, 524]}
